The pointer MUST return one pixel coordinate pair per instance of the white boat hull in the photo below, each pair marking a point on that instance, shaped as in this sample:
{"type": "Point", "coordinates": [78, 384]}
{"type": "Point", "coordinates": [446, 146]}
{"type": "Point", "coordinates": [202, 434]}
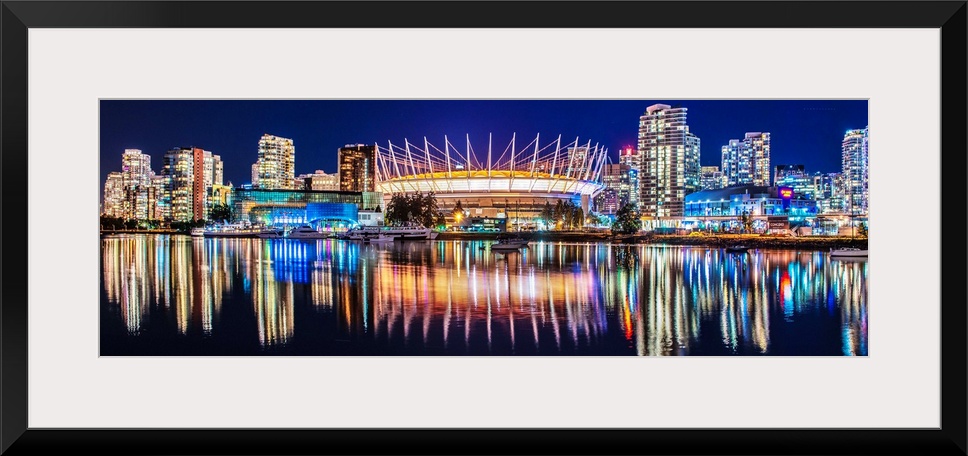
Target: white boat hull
{"type": "Point", "coordinates": [848, 254]}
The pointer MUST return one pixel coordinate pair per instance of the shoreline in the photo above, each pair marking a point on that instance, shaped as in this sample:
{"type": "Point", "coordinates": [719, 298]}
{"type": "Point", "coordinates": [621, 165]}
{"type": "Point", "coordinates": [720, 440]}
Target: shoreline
{"type": "Point", "coordinates": [726, 240]}
{"type": "Point", "coordinates": [719, 241]}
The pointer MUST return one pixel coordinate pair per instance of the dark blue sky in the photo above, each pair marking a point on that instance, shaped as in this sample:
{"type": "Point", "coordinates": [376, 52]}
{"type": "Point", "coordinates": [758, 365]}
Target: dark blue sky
{"type": "Point", "coordinates": [805, 132]}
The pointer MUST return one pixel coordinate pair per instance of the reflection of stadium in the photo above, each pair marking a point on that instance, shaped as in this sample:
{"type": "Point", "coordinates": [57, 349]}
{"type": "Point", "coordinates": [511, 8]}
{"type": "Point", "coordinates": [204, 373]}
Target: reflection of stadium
{"type": "Point", "coordinates": [495, 188]}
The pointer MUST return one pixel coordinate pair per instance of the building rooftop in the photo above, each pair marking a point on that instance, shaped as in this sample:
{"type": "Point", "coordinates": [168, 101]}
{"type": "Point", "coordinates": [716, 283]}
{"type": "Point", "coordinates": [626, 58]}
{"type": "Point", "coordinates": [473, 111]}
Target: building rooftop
{"type": "Point", "coordinates": [726, 193]}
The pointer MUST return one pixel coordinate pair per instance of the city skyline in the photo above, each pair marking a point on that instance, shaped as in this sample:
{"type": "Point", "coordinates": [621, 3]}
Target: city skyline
{"type": "Point", "coordinates": [808, 132]}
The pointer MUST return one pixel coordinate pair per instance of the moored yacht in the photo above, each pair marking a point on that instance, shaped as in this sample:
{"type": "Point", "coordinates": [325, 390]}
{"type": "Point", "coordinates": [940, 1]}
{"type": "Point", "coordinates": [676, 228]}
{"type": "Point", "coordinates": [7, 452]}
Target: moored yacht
{"type": "Point", "coordinates": [401, 233]}
{"type": "Point", "coordinates": [307, 232]}
{"type": "Point", "coordinates": [848, 252]}
{"type": "Point", "coordinates": [235, 231]}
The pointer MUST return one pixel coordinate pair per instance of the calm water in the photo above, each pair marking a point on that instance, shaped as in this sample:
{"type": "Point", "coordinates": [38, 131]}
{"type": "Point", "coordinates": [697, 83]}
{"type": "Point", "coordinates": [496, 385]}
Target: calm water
{"type": "Point", "coordinates": [176, 295]}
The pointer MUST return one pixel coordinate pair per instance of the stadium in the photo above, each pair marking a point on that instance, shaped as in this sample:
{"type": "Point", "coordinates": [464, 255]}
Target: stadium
{"type": "Point", "coordinates": [499, 189]}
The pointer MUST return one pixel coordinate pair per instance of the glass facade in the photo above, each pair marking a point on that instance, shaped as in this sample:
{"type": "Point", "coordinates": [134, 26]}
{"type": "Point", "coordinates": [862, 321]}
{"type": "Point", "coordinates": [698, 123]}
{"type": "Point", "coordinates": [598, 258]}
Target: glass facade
{"type": "Point", "coordinates": [357, 168]}
{"type": "Point", "coordinates": [286, 207]}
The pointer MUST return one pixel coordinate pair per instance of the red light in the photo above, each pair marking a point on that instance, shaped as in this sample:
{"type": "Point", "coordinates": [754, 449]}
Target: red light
{"type": "Point", "coordinates": [786, 193]}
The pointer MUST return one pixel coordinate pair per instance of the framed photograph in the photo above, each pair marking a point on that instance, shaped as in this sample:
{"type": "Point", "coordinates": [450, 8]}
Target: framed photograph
{"type": "Point", "coordinates": [648, 227]}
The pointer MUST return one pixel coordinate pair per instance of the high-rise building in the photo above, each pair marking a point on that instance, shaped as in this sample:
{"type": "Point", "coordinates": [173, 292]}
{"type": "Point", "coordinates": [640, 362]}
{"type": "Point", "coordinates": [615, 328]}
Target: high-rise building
{"type": "Point", "coordinates": [711, 178]}
{"type": "Point", "coordinates": [113, 205]}
{"type": "Point", "coordinates": [747, 161]}
{"type": "Point", "coordinates": [828, 192]}
{"type": "Point", "coordinates": [854, 148]}
{"type": "Point", "coordinates": [669, 157]}
{"type": "Point", "coordinates": [255, 174]}
{"type": "Point", "coordinates": [616, 177]}
{"type": "Point", "coordinates": [630, 157]}
{"type": "Point", "coordinates": [179, 175]}
{"type": "Point", "coordinates": [608, 202]}
{"type": "Point", "coordinates": [161, 209]}
{"type": "Point", "coordinates": [795, 177]}
{"type": "Point", "coordinates": [319, 181]}
{"type": "Point", "coordinates": [276, 163]}
{"type": "Point", "coordinates": [357, 168]}
{"type": "Point", "coordinates": [136, 179]}
{"type": "Point", "coordinates": [204, 164]}
{"type": "Point", "coordinates": [218, 172]}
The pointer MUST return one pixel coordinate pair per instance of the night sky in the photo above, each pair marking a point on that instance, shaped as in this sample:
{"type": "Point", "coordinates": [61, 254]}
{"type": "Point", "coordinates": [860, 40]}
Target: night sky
{"type": "Point", "coordinates": [802, 132]}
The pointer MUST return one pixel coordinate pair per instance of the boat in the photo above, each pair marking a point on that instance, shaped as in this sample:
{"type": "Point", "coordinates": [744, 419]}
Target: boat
{"type": "Point", "coordinates": [848, 252]}
{"type": "Point", "coordinates": [271, 234]}
{"type": "Point", "coordinates": [361, 233]}
{"type": "Point", "coordinates": [623, 238]}
{"type": "Point", "coordinates": [503, 247]}
{"type": "Point", "coordinates": [737, 249]}
{"type": "Point", "coordinates": [378, 239]}
{"type": "Point", "coordinates": [231, 231]}
{"type": "Point", "coordinates": [198, 232]}
{"type": "Point", "coordinates": [403, 233]}
{"type": "Point", "coordinates": [408, 233]}
{"type": "Point", "coordinates": [433, 235]}
{"type": "Point", "coordinates": [508, 240]}
{"type": "Point", "coordinates": [307, 232]}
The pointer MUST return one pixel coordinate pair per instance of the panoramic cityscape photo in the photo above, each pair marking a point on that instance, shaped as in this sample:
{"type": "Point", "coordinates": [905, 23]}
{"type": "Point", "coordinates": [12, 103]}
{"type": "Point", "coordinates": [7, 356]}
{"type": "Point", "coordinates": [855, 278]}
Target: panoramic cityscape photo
{"type": "Point", "coordinates": [483, 227]}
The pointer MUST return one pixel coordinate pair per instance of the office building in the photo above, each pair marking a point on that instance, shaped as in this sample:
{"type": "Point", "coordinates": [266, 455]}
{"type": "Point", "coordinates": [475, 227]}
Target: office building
{"type": "Point", "coordinates": [630, 157]}
{"type": "Point", "coordinates": [796, 178]}
{"type": "Point", "coordinates": [828, 192]}
{"type": "Point", "coordinates": [617, 178]}
{"type": "Point", "coordinates": [357, 168]}
{"type": "Point", "coordinates": [319, 181]}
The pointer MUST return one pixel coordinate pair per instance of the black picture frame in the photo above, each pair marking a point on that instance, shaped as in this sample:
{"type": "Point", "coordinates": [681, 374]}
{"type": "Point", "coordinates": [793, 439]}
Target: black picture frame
{"type": "Point", "coordinates": [18, 16]}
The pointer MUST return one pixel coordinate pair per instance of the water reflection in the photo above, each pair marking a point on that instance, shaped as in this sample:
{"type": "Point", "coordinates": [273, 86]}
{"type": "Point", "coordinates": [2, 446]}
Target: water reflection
{"type": "Point", "coordinates": [332, 297]}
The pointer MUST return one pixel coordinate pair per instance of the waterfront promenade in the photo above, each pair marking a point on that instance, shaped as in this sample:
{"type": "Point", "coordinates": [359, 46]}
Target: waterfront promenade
{"type": "Point", "coordinates": [715, 240]}
{"type": "Point", "coordinates": [712, 240]}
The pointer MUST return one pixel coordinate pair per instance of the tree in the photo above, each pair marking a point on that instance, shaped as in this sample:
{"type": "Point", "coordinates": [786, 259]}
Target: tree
{"type": "Point", "coordinates": [558, 213]}
{"type": "Point", "coordinates": [220, 213]}
{"type": "Point", "coordinates": [578, 217]}
{"type": "Point", "coordinates": [626, 221]}
{"type": "Point", "coordinates": [408, 209]}
{"type": "Point", "coordinates": [862, 229]}
{"type": "Point", "coordinates": [746, 221]}
{"type": "Point", "coordinates": [547, 214]}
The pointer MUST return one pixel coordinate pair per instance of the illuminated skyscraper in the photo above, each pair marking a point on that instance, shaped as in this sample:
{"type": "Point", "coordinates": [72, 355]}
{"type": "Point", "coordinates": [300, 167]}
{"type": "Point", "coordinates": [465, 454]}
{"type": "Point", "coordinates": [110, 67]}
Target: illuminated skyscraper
{"type": "Point", "coordinates": [747, 161]}
{"type": "Point", "coordinates": [711, 178]}
{"type": "Point", "coordinates": [179, 175]}
{"type": "Point", "coordinates": [669, 157]}
{"type": "Point", "coordinates": [136, 178]}
{"type": "Point", "coordinates": [615, 177]}
{"type": "Point", "coordinates": [357, 168]}
{"type": "Point", "coordinates": [630, 157]}
{"type": "Point", "coordinates": [855, 166]}
{"type": "Point", "coordinates": [276, 163]}
{"type": "Point", "coordinates": [207, 167]}
{"type": "Point", "coordinates": [113, 205]}
{"type": "Point", "coordinates": [828, 191]}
